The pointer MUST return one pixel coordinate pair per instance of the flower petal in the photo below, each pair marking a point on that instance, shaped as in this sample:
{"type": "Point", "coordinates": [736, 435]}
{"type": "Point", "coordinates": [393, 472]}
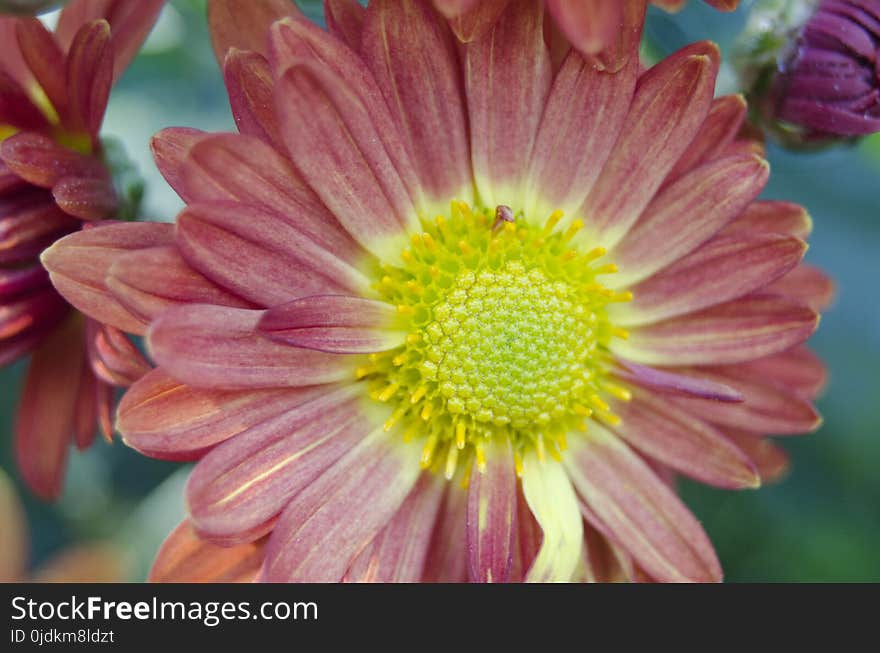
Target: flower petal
{"type": "Point", "coordinates": [245, 25]}
{"type": "Point", "coordinates": [112, 356]}
{"type": "Point", "coordinates": [345, 20]}
{"type": "Point", "coordinates": [165, 419]}
{"type": "Point", "coordinates": [640, 510]}
{"type": "Point", "coordinates": [552, 501]}
{"type": "Point", "coordinates": [491, 515]}
{"type": "Point", "coordinates": [250, 86]}
{"type": "Point", "coordinates": [413, 59]}
{"type": "Point", "coordinates": [45, 60]}
{"type": "Point", "coordinates": [186, 558]}
{"type": "Point", "coordinates": [724, 268]}
{"type": "Point", "coordinates": [240, 487]}
{"type": "Point", "coordinates": [670, 104]}
{"type": "Point", "coordinates": [668, 382]}
{"type": "Point", "coordinates": [220, 347]}
{"type": "Point", "coordinates": [683, 442]}
{"type": "Point", "coordinates": [737, 331]}
{"type": "Point", "coordinates": [507, 81]}
{"type": "Point", "coordinates": [770, 460]}
{"type": "Point", "coordinates": [86, 199]}
{"type": "Point", "coordinates": [170, 148]}
{"type": "Point", "coordinates": [259, 255]}
{"type": "Point", "coordinates": [28, 224]}
{"type": "Point", "coordinates": [78, 266]}
{"type": "Point", "coordinates": [797, 368]}
{"type": "Point", "coordinates": [471, 20]}
{"type": "Point", "coordinates": [42, 162]}
{"type": "Point", "coordinates": [89, 76]}
{"type": "Point", "coordinates": [44, 431]}
{"type": "Point", "coordinates": [447, 556]}
{"type": "Point", "coordinates": [807, 284]}
{"type": "Point", "coordinates": [398, 553]}
{"type": "Point", "coordinates": [716, 193]}
{"type": "Point", "coordinates": [332, 519]}
{"type": "Point", "coordinates": [772, 216]}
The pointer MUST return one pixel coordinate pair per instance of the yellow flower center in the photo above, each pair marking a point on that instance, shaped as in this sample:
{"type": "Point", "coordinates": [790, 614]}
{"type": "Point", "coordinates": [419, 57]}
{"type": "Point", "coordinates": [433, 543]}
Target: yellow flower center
{"type": "Point", "coordinates": [507, 336]}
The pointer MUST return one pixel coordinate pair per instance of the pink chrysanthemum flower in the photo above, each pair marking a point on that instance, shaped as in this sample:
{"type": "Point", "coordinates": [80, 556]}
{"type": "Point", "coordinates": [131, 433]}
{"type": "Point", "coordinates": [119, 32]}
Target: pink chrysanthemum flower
{"type": "Point", "coordinates": [444, 312]}
{"type": "Point", "coordinates": [53, 181]}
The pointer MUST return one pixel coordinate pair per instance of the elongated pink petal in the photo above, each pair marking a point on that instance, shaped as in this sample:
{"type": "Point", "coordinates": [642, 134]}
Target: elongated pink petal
{"type": "Point", "coordinates": [581, 123]}
{"type": "Point", "coordinates": [170, 148]}
{"type": "Point", "coordinates": [150, 281]}
{"type": "Point", "coordinates": [240, 487]}
{"type": "Point", "coordinates": [334, 323]}
{"type": "Point", "coordinates": [220, 347]}
{"type": "Point", "coordinates": [414, 61]}
{"type": "Point", "coordinates": [130, 22]}
{"type": "Point", "coordinates": [798, 368]}
{"type": "Point", "coordinates": [260, 255]}
{"type": "Point", "coordinates": [590, 25]}
{"type": "Point", "coordinates": [20, 281]}
{"type": "Point", "coordinates": [78, 266]}
{"type": "Point", "coordinates": [16, 108]}
{"type": "Point", "coordinates": [767, 407]}
{"type": "Point", "coordinates": [86, 199]}
{"type": "Point", "coordinates": [722, 269]}
{"type": "Point", "coordinates": [13, 535]}
{"type": "Point", "coordinates": [10, 53]}
{"type": "Point", "coordinates": [737, 331]}
{"type": "Point", "coordinates": [41, 161]}
{"type": "Point", "coordinates": [772, 216]}
{"type": "Point", "coordinates": [770, 460]}
{"type": "Point", "coordinates": [333, 518]}
{"type": "Point", "coordinates": [491, 516]}
{"type": "Point", "coordinates": [670, 104]}
{"type": "Point", "coordinates": [166, 419]}
{"type": "Point", "coordinates": [89, 76]}
{"type": "Point", "coordinates": [528, 539]}
{"type": "Point", "coordinates": [643, 514]}
{"type": "Point", "coordinates": [29, 224]}
{"type": "Point", "coordinates": [398, 553]}
{"type": "Point", "coordinates": [31, 312]}
{"type": "Point", "coordinates": [236, 168]}
{"type": "Point", "coordinates": [668, 382]}
{"type": "Point", "coordinates": [471, 20]}
{"type": "Point", "coordinates": [507, 81]}
{"type": "Point", "coordinates": [45, 59]}
{"type": "Point", "coordinates": [685, 443]}
{"type": "Point", "coordinates": [687, 213]}
{"type": "Point", "coordinates": [112, 356]}
{"type": "Point", "coordinates": [186, 558]}
{"type": "Point", "coordinates": [47, 409]}
{"type": "Point", "coordinates": [245, 25]}
{"type": "Point", "coordinates": [808, 284]}
{"type": "Point", "coordinates": [326, 125]}
{"type": "Point", "coordinates": [453, 8]}
{"type": "Point", "coordinates": [446, 560]}
{"type": "Point", "coordinates": [249, 85]}
{"type": "Point", "coordinates": [720, 128]}
{"type": "Point", "coordinates": [345, 20]}
{"type": "Point", "coordinates": [86, 410]}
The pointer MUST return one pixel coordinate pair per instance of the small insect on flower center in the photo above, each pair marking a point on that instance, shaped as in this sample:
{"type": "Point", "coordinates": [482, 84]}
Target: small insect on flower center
{"type": "Point", "coordinates": [508, 335]}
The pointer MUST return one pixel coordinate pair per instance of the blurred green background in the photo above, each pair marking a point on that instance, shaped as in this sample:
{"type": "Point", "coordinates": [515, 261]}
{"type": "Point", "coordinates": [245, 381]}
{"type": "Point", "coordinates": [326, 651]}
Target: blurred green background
{"type": "Point", "coordinates": [821, 523]}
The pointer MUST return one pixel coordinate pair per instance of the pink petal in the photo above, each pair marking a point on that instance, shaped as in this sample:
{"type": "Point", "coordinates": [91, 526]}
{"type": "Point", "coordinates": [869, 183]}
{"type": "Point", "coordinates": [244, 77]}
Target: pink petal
{"type": "Point", "coordinates": [14, 64]}
{"type": "Point", "coordinates": [640, 510]}
{"type": "Point", "coordinates": [716, 193]}
{"type": "Point", "coordinates": [767, 407]}
{"type": "Point", "coordinates": [415, 64]}
{"type": "Point", "coordinates": [668, 382]}
{"type": "Point", "coordinates": [770, 460]}
{"type": "Point", "coordinates": [249, 85]}
{"type": "Point", "coordinates": [220, 347]}
{"type": "Point", "coordinates": [776, 217]}
{"type": "Point", "coordinates": [186, 558]}
{"type": "Point", "coordinates": [334, 517]}
{"type": "Point", "coordinates": [670, 104]}
{"type": "Point", "coordinates": [29, 223]}
{"type": "Point", "coordinates": [78, 266]}
{"type": "Point", "coordinates": [245, 25]}
{"type": "Point", "coordinates": [737, 331]}
{"type": "Point", "coordinates": [683, 442]}
{"type": "Point", "coordinates": [47, 410]}
{"type": "Point", "coordinates": [471, 20]}
{"type": "Point", "coordinates": [528, 538]}
{"type": "Point", "coordinates": [447, 556]}
{"type": "Point", "coordinates": [260, 255]}
{"type": "Point", "coordinates": [807, 284]}
{"type": "Point", "coordinates": [45, 60]}
{"type": "Point", "coordinates": [585, 112]}
{"type": "Point", "coordinates": [150, 281]}
{"type": "Point", "coordinates": [36, 311]}
{"type": "Point", "coordinates": [89, 76]}
{"type": "Point", "coordinates": [112, 356]}
{"type": "Point", "coordinates": [20, 281]}
{"type": "Point", "coordinates": [333, 323]}
{"type": "Point", "coordinates": [86, 199]}
{"type": "Point", "coordinates": [327, 125]}
{"type": "Point", "coordinates": [398, 553]}
{"type": "Point", "coordinates": [86, 411]}
{"type": "Point", "coordinates": [590, 25]}
{"type": "Point", "coordinates": [42, 162]}
{"type": "Point", "coordinates": [345, 20]}
{"type": "Point", "coordinates": [507, 81]}
{"type": "Point", "coordinates": [797, 368]}
{"type": "Point", "coordinates": [491, 516]}
{"type": "Point", "coordinates": [240, 487]}
{"type": "Point", "coordinates": [170, 148]}
{"type": "Point", "coordinates": [453, 8]}
{"type": "Point", "coordinates": [16, 108]}
{"type": "Point", "coordinates": [166, 419]}
{"type": "Point", "coordinates": [724, 268]}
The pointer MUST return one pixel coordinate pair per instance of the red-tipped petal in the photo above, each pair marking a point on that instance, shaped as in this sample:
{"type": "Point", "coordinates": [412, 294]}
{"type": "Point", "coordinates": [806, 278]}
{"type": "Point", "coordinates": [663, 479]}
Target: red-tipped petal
{"type": "Point", "coordinates": [333, 518]}
{"type": "Point", "coordinates": [89, 77]}
{"type": "Point", "coordinates": [170, 148]}
{"type": "Point", "coordinates": [734, 332]}
{"type": "Point", "coordinates": [245, 25]}
{"type": "Point", "coordinates": [220, 347]}
{"type": "Point", "coordinates": [78, 265]}
{"type": "Point", "coordinates": [640, 510]}
{"type": "Point", "coordinates": [249, 85]}
{"type": "Point", "coordinates": [45, 59]}
{"type": "Point", "coordinates": [186, 558]}
{"type": "Point", "coordinates": [491, 515]}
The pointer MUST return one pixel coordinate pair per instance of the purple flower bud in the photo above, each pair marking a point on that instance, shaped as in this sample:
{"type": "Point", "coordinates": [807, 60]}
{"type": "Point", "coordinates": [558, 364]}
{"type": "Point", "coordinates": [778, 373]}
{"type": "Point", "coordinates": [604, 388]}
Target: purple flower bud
{"type": "Point", "coordinates": [827, 83]}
